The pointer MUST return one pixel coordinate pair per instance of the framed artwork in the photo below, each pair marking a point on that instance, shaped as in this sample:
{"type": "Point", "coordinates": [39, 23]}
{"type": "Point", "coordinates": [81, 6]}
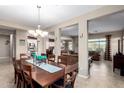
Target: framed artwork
{"type": "Point", "coordinates": [22, 42]}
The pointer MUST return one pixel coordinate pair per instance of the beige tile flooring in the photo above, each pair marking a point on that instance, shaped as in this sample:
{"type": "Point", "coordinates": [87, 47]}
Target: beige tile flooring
{"type": "Point", "coordinates": [101, 76]}
{"type": "Point", "coordinates": [6, 75]}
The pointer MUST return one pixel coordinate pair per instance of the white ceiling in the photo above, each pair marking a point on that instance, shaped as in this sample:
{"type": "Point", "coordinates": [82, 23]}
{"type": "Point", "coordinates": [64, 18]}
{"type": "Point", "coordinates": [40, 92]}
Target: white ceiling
{"type": "Point", "coordinates": [6, 27]}
{"type": "Point", "coordinates": [114, 22]}
{"type": "Point", "coordinates": [110, 23]}
{"type": "Point", "coordinates": [50, 15]}
{"type": "Point", "coordinates": [70, 31]}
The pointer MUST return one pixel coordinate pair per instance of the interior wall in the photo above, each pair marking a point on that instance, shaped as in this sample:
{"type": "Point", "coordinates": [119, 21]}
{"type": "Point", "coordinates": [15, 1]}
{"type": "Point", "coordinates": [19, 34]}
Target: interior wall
{"type": "Point", "coordinates": [22, 35]}
{"type": "Point", "coordinates": [4, 46]}
{"type": "Point", "coordinates": [75, 44]}
{"type": "Point", "coordinates": [6, 52]}
{"type": "Point", "coordinates": [6, 32]}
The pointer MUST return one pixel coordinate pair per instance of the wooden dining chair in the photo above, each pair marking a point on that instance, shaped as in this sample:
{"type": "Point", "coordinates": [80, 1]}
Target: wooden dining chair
{"type": "Point", "coordinates": [18, 73]}
{"type": "Point", "coordinates": [24, 56]}
{"type": "Point", "coordinates": [69, 78]}
{"type": "Point", "coordinates": [62, 59]}
{"type": "Point", "coordinates": [27, 75]}
{"type": "Point", "coordinates": [51, 58]}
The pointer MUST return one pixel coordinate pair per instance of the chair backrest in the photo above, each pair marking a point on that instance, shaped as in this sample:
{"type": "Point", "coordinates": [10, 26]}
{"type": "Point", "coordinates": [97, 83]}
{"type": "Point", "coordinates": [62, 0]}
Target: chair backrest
{"type": "Point", "coordinates": [64, 52]}
{"type": "Point", "coordinates": [18, 66]}
{"type": "Point", "coordinates": [63, 59]}
{"type": "Point", "coordinates": [73, 59]}
{"type": "Point", "coordinates": [24, 56]}
{"type": "Point", "coordinates": [70, 70]}
{"type": "Point", "coordinates": [51, 58]}
{"type": "Point", "coordinates": [18, 69]}
{"type": "Point", "coordinates": [68, 59]}
{"type": "Point", "coordinates": [27, 74]}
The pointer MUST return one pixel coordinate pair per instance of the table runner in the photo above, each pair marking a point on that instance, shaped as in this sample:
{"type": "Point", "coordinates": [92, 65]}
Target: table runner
{"type": "Point", "coordinates": [45, 66]}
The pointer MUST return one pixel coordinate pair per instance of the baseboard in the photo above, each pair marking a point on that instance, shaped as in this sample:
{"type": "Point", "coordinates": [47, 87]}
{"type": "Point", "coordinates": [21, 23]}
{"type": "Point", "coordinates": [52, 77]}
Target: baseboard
{"type": "Point", "coordinates": [83, 76]}
{"type": "Point", "coordinates": [4, 57]}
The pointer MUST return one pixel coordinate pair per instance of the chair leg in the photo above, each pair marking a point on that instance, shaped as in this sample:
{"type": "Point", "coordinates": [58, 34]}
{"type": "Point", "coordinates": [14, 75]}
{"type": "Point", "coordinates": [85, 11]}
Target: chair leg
{"type": "Point", "coordinates": [18, 83]}
{"type": "Point", "coordinates": [23, 84]}
{"type": "Point", "coordinates": [15, 77]}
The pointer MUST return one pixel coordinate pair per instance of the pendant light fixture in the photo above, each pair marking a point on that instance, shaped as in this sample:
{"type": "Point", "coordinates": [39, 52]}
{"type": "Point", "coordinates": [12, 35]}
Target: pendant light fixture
{"type": "Point", "coordinates": [38, 31]}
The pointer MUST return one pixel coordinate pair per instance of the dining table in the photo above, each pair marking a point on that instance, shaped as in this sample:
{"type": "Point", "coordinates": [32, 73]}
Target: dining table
{"type": "Point", "coordinates": [46, 74]}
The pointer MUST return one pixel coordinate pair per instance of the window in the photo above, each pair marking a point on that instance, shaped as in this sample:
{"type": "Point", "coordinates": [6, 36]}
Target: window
{"type": "Point", "coordinates": [70, 46]}
{"type": "Point", "coordinates": [97, 45]}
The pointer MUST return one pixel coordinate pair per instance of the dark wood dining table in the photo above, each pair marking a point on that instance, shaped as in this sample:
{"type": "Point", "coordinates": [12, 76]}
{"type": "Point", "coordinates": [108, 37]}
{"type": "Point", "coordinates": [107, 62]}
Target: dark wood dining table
{"type": "Point", "coordinates": [45, 78]}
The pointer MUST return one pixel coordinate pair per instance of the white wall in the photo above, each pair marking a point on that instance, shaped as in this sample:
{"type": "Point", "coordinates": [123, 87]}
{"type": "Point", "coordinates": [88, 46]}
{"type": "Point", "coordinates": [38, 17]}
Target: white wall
{"type": "Point", "coordinates": [75, 44]}
{"type": "Point", "coordinates": [42, 44]}
{"type": "Point", "coordinates": [4, 47]}
{"type": "Point", "coordinates": [22, 35]}
{"type": "Point", "coordinates": [6, 32]}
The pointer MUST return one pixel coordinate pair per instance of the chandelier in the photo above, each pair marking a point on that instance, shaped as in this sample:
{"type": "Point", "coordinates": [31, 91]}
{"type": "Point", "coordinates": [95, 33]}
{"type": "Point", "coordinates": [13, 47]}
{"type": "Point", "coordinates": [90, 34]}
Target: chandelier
{"type": "Point", "coordinates": [38, 31]}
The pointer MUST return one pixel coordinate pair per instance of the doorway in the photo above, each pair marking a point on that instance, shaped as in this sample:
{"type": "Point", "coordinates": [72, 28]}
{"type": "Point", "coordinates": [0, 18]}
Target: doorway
{"type": "Point", "coordinates": [4, 48]}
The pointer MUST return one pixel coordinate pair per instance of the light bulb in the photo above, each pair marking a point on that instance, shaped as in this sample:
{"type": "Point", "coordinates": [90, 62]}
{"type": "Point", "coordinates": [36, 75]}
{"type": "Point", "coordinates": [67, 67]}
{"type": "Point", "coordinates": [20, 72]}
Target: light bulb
{"type": "Point", "coordinates": [45, 33]}
{"type": "Point", "coordinates": [35, 34]}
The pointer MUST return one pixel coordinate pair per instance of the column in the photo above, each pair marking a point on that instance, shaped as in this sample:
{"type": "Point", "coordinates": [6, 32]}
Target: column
{"type": "Point", "coordinates": [83, 49]}
{"type": "Point", "coordinates": [122, 41]}
{"type": "Point", "coordinates": [40, 45]}
{"type": "Point", "coordinates": [57, 43]}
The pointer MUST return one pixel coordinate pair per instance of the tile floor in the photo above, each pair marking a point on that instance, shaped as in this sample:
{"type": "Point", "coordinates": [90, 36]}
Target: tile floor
{"type": "Point", "coordinates": [6, 74]}
{"type": "Point", "coordinates": [101, 76]}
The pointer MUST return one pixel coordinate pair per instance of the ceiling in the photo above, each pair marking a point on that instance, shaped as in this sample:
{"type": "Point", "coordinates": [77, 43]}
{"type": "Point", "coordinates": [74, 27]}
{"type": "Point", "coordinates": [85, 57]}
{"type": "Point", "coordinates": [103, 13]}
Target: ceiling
{"type": "Point", "coordinates": [109, 23]}
{"type": "Point", "coordinates": [50, 15]}
{"type": "Point", "coordinates": [70, 31]}
{"type": "Point", "coordinates": [6, 27]}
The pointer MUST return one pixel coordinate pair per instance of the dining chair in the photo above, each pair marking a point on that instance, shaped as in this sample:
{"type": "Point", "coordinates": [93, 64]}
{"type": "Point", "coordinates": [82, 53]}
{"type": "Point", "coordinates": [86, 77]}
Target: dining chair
{"type": "Point", "coordinates": [24, 56]}
{"type": "Point", "coordinates": [14, 65]}
{"type": "Point", "coordinates": [27, 75]}
{"type": "Point", "coordinates": [69, 78]}
{"type": "Point", "coordinates": [18, 74]}
{"type": "Point", "coordinates": [51, 58]}
{"type": "Point", "coordinates": [62, 59]}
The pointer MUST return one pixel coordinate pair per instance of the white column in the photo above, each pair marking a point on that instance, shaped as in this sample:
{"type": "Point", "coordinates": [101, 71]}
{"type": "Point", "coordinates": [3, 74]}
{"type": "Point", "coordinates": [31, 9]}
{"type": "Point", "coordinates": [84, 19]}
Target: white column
{"type": "Point", "coordinates": [83, 49]}
{"type": "Point", "coordinates": [40, 45]}
{"type": "Point", "coordinates": [57, 43]}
